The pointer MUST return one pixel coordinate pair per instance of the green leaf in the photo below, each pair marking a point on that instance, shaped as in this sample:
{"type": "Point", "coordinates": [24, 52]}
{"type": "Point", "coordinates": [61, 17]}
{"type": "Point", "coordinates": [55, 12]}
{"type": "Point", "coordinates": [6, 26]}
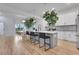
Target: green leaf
{"type": "Point", "coordinates": [51, 17]}
{"type": "Point", "coordinates": [29, 22]}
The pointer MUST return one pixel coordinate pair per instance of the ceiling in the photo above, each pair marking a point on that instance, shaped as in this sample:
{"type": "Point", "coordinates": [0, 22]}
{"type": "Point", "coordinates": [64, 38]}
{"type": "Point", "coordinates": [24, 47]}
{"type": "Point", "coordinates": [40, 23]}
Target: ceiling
{"type": "Point", "coordinates": [33, 9]}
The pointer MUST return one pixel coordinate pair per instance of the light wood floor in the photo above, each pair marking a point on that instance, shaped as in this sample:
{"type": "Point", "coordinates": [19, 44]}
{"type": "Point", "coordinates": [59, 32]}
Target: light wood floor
{"type": "Point", "coordinates": [22, 46]}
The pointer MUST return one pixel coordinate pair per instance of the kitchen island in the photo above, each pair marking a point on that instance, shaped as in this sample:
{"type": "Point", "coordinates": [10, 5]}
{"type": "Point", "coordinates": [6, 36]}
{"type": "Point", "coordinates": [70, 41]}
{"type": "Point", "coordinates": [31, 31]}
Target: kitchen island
{"type": "Point", "coordinates": [52, 34]}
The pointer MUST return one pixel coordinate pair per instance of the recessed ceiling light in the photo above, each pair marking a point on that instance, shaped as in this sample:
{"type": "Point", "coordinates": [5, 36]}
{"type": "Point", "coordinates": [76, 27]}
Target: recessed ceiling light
{"type": "Point", "coordinates": [23, 21]}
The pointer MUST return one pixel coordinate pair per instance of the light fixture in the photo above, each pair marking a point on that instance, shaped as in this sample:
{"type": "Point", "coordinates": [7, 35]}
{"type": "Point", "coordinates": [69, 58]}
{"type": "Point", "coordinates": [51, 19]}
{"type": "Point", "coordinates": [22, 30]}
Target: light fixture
{"type": "Point", "coordinates": [53, 8]}
{"type": "Point", "coordinates": [23, 21]}
{"type": "Point", "coordinates": [67, 3]}
{"type": "Point", "coordinates": [43, 12]}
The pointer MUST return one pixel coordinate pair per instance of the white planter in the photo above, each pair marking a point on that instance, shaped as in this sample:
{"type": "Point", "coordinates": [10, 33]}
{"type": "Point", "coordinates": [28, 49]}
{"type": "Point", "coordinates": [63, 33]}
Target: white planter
{"type": "Point", "coordinates": [52, 27]}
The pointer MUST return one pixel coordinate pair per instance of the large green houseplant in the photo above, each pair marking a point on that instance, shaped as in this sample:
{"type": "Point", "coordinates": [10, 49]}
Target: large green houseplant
{"type": "Point", "coordinates": [51, 17]}
{"type": "Point", "coordinates": [29, 22]}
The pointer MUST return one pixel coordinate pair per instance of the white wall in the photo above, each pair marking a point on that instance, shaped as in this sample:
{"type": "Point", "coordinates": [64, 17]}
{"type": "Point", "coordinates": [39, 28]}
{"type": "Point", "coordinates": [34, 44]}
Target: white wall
{"type": "Point", "coordinates": [8, 26]}
{"type": "Point", "coordinates": [41, 22]}
{"type": "Point", "coordinates": [67, 19]}
{"type": "Point", "coordinates": [2, 19]}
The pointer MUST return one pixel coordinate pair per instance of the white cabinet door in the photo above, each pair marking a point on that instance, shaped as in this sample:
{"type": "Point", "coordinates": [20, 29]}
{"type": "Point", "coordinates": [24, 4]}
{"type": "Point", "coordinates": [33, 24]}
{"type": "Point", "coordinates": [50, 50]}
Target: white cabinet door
{"type": "Point", "coordinates": [77, 41]}
{"type": "Point", "coordinates": [1, 28]}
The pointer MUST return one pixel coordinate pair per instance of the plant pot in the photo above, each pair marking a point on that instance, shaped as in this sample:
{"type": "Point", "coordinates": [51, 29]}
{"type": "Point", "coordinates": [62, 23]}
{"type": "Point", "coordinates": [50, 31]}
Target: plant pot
{"type": "Point", "coordinates": [52, 27]}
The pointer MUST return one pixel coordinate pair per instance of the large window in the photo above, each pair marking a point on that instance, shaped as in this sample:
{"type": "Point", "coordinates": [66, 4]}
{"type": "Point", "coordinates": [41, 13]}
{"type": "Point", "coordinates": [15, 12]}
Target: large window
{"type": "Point", "coordinates": [20, 27]}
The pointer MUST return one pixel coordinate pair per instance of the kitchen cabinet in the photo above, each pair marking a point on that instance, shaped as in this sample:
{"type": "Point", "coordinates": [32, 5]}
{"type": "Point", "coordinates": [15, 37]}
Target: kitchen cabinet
{"type": "Point", "coordinates": [77, 31]}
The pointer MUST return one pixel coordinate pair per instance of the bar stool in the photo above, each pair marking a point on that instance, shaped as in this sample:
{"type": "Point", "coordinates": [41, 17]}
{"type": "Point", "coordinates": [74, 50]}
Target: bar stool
{"type": "Point", "coordinates": [36, 39]}
{"type": "Point", "coordinates": [43, 36]}
{"type": "Point", "coordinates": [27, 33]}
{"type": "Point", "coordinates": [33, 36]}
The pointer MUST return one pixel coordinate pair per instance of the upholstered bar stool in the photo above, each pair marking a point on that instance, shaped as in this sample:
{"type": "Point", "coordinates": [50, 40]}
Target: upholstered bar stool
{"type": "Point", "coordinates": [46, 39]}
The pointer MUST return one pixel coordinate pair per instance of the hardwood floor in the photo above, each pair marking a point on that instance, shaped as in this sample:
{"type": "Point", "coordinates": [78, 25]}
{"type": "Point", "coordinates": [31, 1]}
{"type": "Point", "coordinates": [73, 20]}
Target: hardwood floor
{"type": "Point", "coordinates": [21, 46]}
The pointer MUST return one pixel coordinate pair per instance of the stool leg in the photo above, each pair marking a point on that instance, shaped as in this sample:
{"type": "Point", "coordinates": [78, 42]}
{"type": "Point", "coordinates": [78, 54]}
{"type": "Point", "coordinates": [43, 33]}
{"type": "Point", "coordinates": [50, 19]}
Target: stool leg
{"type": "Point", "coordinates": [50, 43]}
{"type": "Point", "coordinates": [39, 42]}
{"type": "Point", "coordinates": [35, 41]}
{"type": "Point", "coordinates": [44, 45]}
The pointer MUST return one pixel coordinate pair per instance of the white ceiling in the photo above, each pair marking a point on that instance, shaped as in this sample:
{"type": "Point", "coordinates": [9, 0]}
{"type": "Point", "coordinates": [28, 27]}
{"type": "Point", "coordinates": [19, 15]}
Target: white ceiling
{"type": "Point", "coordinates": [32, 9]}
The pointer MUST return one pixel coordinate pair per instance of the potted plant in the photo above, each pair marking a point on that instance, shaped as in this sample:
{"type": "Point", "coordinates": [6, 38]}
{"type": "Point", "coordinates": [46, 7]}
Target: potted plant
{"type": "Point", "coordinates": [51, 18]}
{"type": "Point", "coordinates": [29, 22]}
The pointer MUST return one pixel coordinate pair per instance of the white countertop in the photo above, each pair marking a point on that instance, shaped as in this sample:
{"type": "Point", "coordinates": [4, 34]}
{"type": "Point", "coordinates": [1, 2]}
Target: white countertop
{"type": "Point", "coordinates": [50, 32]}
